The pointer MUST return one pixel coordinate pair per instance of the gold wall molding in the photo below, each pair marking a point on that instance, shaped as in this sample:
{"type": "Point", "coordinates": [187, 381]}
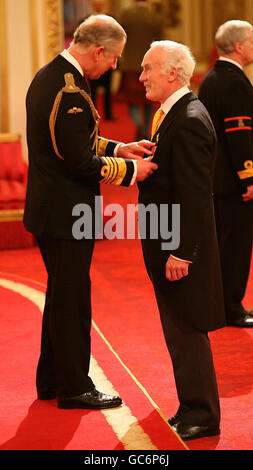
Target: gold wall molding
{"type": "Point", "coordinates": [8, 137]}
{"type": "Point", "coordinates": [53, 18]}
{"type": "Point", "coordinates": [11, 215]}
{"type": "Point", "coordinates": [34, 35]}
{"type": "Point", "coordinates": [4, 89]}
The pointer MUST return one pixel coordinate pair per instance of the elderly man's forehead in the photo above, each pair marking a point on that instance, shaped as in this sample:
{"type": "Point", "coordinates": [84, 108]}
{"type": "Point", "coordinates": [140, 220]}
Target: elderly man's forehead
{"type": "Point", "coordinates": [153, 56]}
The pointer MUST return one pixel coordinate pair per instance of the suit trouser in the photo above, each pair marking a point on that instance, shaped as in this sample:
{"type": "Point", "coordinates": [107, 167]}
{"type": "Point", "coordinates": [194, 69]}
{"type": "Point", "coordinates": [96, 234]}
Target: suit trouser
{"type": "Point", "coordinates": [234, 221]}
{"type": "Point", "coordinates": [65, 342]}
{"type": "Point", "coordinates": [193, 367]}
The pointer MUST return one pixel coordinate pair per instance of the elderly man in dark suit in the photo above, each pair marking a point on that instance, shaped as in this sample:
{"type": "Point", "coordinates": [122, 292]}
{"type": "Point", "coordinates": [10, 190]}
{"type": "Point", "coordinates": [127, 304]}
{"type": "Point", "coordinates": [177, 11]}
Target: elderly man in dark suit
{"type": "Point", "coordinates": [67, 161]}
{"type": "Point", "coordinates": [228, 95]}
{"type": "Point", "coordinates": [186, 280]}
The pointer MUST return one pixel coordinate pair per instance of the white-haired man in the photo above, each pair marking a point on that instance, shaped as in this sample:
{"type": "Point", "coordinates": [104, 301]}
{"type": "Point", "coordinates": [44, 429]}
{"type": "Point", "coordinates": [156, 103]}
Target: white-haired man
{"type": "Point", "coordinates": [67, 161]}
{"type": "Point", "coordinates": [228, 95]}
{"type": "Point", "coordinates": [186, 279]}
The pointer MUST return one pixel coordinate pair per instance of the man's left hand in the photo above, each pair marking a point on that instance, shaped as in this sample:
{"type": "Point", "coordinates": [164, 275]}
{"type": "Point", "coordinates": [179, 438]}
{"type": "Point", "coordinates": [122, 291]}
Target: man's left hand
{"type": "Point", "coordinates": [176, 269]}
{"type": "Point", "coordinates": [249, 194]}
{"type": "Point", "coordinates": [135, 150]}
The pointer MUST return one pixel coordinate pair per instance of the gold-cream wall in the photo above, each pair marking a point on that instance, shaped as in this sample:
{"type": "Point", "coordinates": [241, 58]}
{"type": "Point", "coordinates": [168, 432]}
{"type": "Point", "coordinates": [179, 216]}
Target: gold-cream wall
{"type": "Point", "coordinates": [31, 34]}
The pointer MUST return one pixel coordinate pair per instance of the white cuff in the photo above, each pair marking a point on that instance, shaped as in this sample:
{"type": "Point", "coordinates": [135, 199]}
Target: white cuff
{"type": "Point", "coordinates": [135, 173]}
{"type": "Point", "coordinates": [180, 259]}
{"type": "Point", "coordinates": [115, 151]}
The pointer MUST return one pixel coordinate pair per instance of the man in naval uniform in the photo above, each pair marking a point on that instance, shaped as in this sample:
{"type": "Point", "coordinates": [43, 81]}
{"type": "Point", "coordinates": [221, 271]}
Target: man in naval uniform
{"type": "Point", "coordinates": [228, 95]}
{"type": "Point", "coordinates": [67, 161]}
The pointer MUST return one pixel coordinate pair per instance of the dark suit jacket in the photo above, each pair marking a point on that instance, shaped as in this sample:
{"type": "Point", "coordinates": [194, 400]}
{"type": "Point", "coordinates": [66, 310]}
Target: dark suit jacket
{"type": "Point", "coordinates": [228, 96]}
{"type": "Point", "coordinates": [56, 185]}
{"type": "Point", "coordinates": [185, 157]}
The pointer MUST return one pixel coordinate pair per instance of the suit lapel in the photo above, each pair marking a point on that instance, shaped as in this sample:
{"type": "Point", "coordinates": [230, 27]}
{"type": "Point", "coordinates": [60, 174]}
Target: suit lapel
{"type": "Point", "coordinates": [170, 116]}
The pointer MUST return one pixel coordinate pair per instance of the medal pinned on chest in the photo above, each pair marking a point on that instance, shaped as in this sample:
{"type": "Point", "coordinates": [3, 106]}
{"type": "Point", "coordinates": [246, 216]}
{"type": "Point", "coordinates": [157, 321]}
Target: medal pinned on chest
{"type": "Point", "coordinates": [153, 149]}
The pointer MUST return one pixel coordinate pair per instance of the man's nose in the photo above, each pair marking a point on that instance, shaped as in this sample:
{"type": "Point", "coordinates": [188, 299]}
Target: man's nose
{"type": "Point", "coordinates": [141, 79]}
{"type": "Point", "coordinates": [114, 65]}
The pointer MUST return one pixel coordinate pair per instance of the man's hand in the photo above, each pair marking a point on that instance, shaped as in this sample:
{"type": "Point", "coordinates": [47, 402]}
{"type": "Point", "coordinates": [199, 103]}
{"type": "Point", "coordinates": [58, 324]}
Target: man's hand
{"type": "Point", "coordinates": [249, 194]}
{"type": "Point", "coordinates": [145, 168]}
{"type": "Point", "coordinates": [135, 150]}
{"type": "Point", "coordinates": [176, 269]}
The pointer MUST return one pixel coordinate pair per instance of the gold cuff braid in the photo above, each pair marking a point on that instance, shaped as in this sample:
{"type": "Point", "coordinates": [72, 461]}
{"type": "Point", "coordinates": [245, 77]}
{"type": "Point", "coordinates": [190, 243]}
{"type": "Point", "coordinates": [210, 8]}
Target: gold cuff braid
{"type": "Point", "coordinates": [114, 170]}
{"type": "Point", "coordinates": [101, 147]}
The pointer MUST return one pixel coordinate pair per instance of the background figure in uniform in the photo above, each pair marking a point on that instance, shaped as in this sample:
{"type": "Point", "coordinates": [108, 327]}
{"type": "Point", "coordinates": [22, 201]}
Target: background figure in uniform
{"type": "Point", "coordinates": [186, 277]}
{"type": "Point", "coordinates": [142, 26]}
{"type": "Point", "coordinates": [105, 82]}
{"type": "Point", "coordinates": [228, 95]}
{"type": "Point", "coordinates": [106, 78]}
{"type": "Point", "coordinates": [66, 163]}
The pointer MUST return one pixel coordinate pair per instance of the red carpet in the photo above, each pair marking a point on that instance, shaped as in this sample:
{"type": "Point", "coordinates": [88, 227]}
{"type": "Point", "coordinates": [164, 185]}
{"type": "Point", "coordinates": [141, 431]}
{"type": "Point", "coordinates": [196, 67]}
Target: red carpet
{"type": "Point", "coordinates": [28, 424]}
{"type": "Point", "coordinates": [122, 295]}
{"type": "Point", "coordinates": [133, 358]}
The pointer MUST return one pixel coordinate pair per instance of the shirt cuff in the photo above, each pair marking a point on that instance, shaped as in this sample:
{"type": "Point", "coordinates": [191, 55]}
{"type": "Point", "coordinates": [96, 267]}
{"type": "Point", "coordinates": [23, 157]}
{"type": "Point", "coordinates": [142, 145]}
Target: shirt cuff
{"type": "Point", "coordinates": [135, 173]}
{"type": "Point", "coordinates": [180, 259]}
{"type": "Point", "coordinates": [115, 152]}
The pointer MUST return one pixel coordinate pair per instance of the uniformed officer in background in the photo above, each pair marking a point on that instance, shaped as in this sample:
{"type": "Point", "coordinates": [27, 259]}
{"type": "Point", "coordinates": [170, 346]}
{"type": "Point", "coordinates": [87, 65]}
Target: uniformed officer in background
{"type": "Point", "coordinates": [228, 95]}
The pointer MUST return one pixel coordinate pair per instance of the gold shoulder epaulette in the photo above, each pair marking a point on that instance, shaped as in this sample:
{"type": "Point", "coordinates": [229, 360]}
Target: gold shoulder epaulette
{"type": "Point", "coordinates": [70, 87]}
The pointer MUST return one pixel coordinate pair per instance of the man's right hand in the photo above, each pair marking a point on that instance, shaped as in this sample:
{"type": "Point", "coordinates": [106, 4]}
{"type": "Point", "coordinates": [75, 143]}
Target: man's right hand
{"type": "Point", "coordinates": [145, 168]}
{"type": "Point", "coordinates": [248, 196]}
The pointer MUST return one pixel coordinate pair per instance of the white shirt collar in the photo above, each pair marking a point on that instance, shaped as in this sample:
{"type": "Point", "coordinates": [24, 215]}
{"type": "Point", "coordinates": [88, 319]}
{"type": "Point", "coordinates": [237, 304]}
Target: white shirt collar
{"type": "Point", "coordinates": [232, 61]}
{"type": "Point", "coordinates": [72, 60]}
{"type": "Point", "coordinates": [167, 104]}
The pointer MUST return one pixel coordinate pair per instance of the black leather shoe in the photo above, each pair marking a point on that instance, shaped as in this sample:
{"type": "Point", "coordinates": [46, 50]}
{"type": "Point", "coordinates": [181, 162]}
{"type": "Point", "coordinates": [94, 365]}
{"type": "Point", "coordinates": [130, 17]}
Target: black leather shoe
{"type": "Point", "coordinates": [188, 432]}
{"type": "Point", "coordinates": [90, 400]}
{"type": "Point", "coordinates": [174, 419]}
{"type": "Point", "coordinates": [46, 394]}
{"type": "Point", "coordinates": [246, 321]}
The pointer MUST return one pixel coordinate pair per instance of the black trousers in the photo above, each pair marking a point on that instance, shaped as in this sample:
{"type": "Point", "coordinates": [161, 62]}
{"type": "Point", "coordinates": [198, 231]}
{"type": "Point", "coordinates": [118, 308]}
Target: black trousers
{"type": "Point", "coordinates": [65, 343]}
{"type": "Point", "coordinates": [234, 221]}
{"type": "Point", "coordinates": [193, 367]}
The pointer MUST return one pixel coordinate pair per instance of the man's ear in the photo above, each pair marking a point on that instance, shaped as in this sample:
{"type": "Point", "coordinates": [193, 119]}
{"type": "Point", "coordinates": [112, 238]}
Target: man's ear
{"type": "Point", "coordinates": [98, 52]}
{"type": "Point", "coordinates": [172, 75]}
{"type": "Point", "coordinates": [238, 47]}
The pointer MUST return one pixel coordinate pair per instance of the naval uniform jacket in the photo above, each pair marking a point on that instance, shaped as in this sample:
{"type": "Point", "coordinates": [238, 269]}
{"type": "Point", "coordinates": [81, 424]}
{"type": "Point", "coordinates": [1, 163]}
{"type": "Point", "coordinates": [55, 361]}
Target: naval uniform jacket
{"type": "Point", "coordinates": [228, 95]}
{"type": "Point", "coordinates": [185, 155]}
{"type": "Point", "coordinates": [63, 167]}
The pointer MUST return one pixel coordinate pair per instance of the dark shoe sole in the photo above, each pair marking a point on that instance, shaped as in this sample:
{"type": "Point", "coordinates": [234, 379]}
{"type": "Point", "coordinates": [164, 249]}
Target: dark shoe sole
{"type": "Point", "coordinates": [209, 433]}
{"type": "Point", "coordinates": [244, 322]}
{"type": "Point", "coordinates": [173, 420]}
{"type": "Point", "coordinates": [71, 406]}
